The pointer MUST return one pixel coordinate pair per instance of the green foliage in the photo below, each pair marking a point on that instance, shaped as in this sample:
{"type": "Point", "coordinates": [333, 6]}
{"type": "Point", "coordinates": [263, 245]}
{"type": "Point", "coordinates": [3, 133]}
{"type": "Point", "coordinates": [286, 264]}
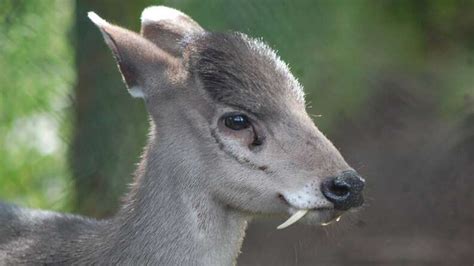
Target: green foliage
{"type": "Point", "coordinates": [35, 79]}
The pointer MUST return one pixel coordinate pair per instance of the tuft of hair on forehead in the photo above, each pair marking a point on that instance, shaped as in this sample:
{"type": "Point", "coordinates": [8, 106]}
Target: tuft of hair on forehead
{"type": "Point", "coordinates": [244, 72]}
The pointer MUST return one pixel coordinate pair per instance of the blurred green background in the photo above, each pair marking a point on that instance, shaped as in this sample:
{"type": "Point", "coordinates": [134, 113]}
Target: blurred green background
{"type": "Point", "coordinates": [391, 82]}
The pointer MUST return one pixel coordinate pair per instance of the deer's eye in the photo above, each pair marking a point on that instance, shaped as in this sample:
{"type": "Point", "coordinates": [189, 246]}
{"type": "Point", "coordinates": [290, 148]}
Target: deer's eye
{"type": "Point", "coordinates": [237, 121]}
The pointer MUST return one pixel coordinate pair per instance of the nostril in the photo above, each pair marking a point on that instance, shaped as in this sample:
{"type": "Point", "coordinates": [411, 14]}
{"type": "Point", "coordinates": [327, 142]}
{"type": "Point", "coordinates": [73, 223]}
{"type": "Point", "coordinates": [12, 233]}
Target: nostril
{"type": "Point", "coordinates": [343, 191]}
{"type": "Point", "coordinates": [340, 188]}
{"type": "Point", "coordinates": [336, 190]}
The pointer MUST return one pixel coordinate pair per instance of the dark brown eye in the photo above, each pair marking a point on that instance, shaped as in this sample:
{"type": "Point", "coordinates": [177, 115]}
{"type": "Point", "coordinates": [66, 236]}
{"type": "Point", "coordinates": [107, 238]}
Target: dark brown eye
{"type": "Point", "coordinates": [237, 121]}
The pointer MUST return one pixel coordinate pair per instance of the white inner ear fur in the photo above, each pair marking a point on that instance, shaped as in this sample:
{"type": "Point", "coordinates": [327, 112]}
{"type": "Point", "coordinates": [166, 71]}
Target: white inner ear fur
{"type": "Point", "coordinates": [136, 92]}
{"type": "Point", "coordinates": [155, 14]}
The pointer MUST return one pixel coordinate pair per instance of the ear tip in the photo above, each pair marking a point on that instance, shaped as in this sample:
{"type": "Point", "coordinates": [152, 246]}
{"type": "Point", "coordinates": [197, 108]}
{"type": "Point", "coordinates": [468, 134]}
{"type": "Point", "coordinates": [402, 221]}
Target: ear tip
{"type": "Point", "coordinates": [96, 19]}
{"type": "Point", "coordinates": [154, 14]}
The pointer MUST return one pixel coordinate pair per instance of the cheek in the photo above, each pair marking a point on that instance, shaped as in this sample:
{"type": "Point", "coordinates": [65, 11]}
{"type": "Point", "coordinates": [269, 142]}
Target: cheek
{"type": "Point", "coordinates": [249, 191]}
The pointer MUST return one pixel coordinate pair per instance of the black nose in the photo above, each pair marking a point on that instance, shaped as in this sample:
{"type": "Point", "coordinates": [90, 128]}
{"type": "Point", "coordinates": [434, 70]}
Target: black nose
{"type": "Point", "coordinates": [344, 191]}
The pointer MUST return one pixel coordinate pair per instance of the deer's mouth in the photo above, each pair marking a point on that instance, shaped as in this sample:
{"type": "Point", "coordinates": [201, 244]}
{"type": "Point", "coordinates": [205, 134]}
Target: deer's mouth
{"type": "Point", "coordinates": [321, 217]}
{"type": "Point", "coordinates": [318, 216]}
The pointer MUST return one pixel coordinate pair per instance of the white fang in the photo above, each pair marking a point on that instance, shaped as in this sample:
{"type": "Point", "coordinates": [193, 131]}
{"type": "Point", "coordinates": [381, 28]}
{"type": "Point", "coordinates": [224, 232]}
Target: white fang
{"type": "Point", "coordinates": [293, 219]}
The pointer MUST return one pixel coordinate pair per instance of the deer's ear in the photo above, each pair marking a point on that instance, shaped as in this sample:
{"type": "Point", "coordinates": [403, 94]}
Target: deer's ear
{"type": "Point", "coordinates": [167, 28]}
{"type": "Point", "coordinates": [145, 68]}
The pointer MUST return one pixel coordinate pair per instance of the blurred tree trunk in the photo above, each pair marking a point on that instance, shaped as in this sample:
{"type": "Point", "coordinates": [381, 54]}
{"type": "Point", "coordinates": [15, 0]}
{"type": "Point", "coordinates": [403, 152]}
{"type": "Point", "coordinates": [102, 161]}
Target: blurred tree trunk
{"type": "Point", "coordinates": [109, 127]}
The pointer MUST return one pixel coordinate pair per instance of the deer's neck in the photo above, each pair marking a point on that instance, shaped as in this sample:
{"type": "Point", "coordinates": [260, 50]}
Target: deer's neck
{"type": "Point", "coordinates": [170, 219]}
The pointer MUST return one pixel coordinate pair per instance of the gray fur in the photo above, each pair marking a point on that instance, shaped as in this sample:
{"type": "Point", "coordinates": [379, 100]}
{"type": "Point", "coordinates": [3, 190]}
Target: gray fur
{"type": "Point", "coordinates": [240, 71]}
{"type": "Point", "coordinates": [198, 183]}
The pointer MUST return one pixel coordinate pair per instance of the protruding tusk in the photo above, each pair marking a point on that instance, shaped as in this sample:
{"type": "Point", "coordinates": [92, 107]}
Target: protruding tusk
{"type": "Point", "coordinates": [293, 219]}
{"type": "Point", "coordinates": [332, 221]}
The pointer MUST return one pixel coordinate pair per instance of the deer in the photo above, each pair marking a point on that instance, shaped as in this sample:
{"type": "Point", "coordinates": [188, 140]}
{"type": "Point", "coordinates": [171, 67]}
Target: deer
{"type": "Point", "coordinates": [230, 139]}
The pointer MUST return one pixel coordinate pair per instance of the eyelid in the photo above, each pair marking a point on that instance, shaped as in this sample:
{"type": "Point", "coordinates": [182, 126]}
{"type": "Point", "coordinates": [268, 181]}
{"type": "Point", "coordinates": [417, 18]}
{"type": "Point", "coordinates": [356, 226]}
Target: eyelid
{"type": "Point", "coordinates": [237, 112]}
{"type": "Point", "coordinates": [239, 109]}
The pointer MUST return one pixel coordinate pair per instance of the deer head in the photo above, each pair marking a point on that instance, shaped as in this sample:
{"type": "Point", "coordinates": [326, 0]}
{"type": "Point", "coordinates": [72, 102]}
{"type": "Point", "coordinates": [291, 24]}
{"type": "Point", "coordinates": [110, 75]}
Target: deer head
{"type": "Point", "coordinates": [229, 120]}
